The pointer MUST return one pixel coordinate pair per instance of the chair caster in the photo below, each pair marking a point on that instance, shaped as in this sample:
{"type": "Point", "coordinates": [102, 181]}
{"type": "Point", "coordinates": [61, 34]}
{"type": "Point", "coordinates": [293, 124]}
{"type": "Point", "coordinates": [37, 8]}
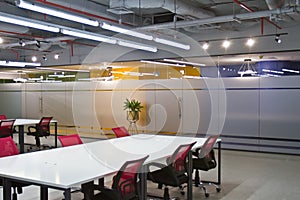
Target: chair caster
{"type": "Point", "coordinates": [182, 192]}
{"type": "Point", "coordinates": [218, 189]}
{"type": "Point", "coordinates": [206, 195]}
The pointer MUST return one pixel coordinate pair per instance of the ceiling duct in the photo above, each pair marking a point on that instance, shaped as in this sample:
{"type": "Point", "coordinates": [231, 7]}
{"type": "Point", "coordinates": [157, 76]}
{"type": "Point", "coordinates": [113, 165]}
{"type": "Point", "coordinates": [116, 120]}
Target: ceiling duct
{"type": "Point", "coordinates": [226, 18]}
{"type": "Point", "coordinates": [181, 7]}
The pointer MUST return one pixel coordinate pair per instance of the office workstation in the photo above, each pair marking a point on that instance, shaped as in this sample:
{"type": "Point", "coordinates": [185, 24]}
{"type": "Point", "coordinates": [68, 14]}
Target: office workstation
{"type": "Point", "coordinates": [192, 69]}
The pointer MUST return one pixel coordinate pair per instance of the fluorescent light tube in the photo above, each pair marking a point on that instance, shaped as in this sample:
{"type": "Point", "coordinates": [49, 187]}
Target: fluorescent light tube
{"type": "Point", "coordinates": [162, 63]}
{"type": "Point", "coordinates": [125, 31]}
{"type": "Point", "coordinates": [290, 70]}
{"type": "Point", "coordinates": [137, 45]}
{"type": "Point", "coordinates": [172, 43]}
{"type": "Point", "coordinates": [88, 35]}
{"type": "Point", "coordinates": [184, 62]}
{"type": "Point", "coordinates": [17, 64]}
{"type": "Point", "coordinates": [55, 13]}
{"type": "Point", "coordinates": [21, 21]}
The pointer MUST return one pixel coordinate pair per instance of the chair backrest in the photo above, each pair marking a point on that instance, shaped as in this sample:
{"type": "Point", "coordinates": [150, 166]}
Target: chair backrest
{"type": "Point", "coordinates": [8, 147]}
{"type": "Point", "coordinates": [208, 146]}
{"type": "Point", "coordinates": [178, 160]}
{"type": "Point", "coordinates": [69, 140]}
{"type": "Point", "coordinates": [6, 127]}
{"type": "Point", "coordinates": [120, 131]}
{"type": "Point", "coordinates": [126, 179]}
{"type": "Point", "coordinates": [3, 117]}
{"type": "Point", "coordinates": [43, 127]}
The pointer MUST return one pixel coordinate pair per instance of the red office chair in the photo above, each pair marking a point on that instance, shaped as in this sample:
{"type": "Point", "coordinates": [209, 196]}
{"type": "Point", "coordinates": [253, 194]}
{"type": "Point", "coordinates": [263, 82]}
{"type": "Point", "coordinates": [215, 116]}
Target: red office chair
{"type": "Point", "coordinates": [174, 173]}
{"type": "Point", "coordinates": [125, 183]}
{"type": "Point", "coordinates": [6, 127]}
{"type": "Point", "coordinates": [9, 148]}
{"type": "Point", "coordinates": [69, 140]}
{"type": "Point", "coordinates": [42, 129]}
{"type": "Point", "coordinates": [204, 159]}
{"type": "Point", "coordinates": [2, 116]}
{"type": "Point", "coordinates": [121, 132]}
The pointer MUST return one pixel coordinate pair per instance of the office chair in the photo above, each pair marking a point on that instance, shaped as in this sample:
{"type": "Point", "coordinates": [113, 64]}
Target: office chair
{"type": "Point", "coordinates": [42, 129]}
{"type": "Point", "coordinates": [2, 116]}
{"type": "Point", "coordinates": [121, 132]}
{"type": "Point", "coordinates": [125, 183]}
{"type": "Point", "coordinates": [204, 159]}
{"type": "Point", "coordinates": [174, 173]}
{"type": "Point", "coordinates": [69, 140]}
{"type": "Point", "coordinates": [6, 127]}
{"type": "Point", "coordinates": [9, 148]}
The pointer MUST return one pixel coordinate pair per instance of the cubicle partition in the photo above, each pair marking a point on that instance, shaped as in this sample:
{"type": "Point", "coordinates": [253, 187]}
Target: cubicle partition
{"type": "Point", "coordinates": [251, 113]}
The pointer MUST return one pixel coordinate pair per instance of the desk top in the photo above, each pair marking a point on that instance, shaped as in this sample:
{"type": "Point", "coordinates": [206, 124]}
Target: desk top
{"type": "Point", "coordinates": [69, 166]}
{"type": "Point", "coordinates": [29, 121]}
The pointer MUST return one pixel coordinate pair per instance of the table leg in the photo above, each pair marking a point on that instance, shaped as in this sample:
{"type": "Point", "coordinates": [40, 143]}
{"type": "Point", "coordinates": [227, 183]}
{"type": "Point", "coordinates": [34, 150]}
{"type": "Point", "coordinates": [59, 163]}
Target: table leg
{"type": "Point", "coordinates": [190, 174]}
{"type": "Point", "coordinates": [55, 134]}
{"type": "Point", "coordinates": [43, 193]}
{"type": "Point", "coordinates": [6, 189]}
{"type": "Point", "coordinates": [88, 190]}
{"type": "Point", "coordinates": [21, 138]}
{"type": "Point", "coordinates": [143, 182]}
{"type": "Point", "coordinates": [67, 194]}
{"type": "Point", "coordinates": [219, 163]}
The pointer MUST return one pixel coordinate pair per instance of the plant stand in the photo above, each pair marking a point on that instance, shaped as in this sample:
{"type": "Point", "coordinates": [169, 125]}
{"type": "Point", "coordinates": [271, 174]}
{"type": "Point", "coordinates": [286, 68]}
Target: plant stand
{"type": "Point", "coordinates": [132, 117]}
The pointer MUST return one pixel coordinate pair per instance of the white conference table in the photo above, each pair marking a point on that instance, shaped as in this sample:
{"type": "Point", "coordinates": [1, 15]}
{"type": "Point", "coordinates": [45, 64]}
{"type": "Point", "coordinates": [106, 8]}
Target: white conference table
{"type": "Point", "coordinates": [68, 167]}
{"type": "Point", "coordinates": [23, 122]}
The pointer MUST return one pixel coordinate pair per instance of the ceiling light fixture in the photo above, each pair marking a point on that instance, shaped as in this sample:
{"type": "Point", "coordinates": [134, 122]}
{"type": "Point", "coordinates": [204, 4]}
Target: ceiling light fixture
{"type": "Point", "coordinates": [250, 42]}
{"type": "Point", "coordinates": [21, 42]}
{"type": "Point", "coordinates": [21, 21]}
{"type": "Point", "coordinates": [137, 45]}
{"type": "Point", "coordinates": [205, 45]}
{"type": "Point", "coordinates": [34, 58]}
{"type": "Point", "coordinates": [56, 56]}
{"type": "Point", "coordinates": [1, 40]}
{"type": "Point", "coordinates": [38, 44]}
{"type": "Point", "coordinates": [88, 35]}
{"type": "Point", "coordinates": [172, 43]}
{"type": "Point", "coordinates": [185, 62]}
{"type": "Point", "coordinates": [125, 31]}
{"type": "Point", "coordinates": [277, 38]}
{"type": "Point", "coordinates": [61, 69]}
{"type": "Point", "coordinates": [162, 63]}
{"type": "Point", "coordinates": [226, 44]}
{"type": "Point", "coordinates": [247, 68]}
{"type": "Point", "coordinates": [56, 13]}
{"type": "Point", "coordinates": [17, 64]}
{"type": "Point", "coordinates": [291, 71]}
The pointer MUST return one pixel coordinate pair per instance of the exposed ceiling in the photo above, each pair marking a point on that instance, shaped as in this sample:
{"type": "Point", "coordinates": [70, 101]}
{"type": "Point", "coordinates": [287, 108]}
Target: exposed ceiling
{"type": "Point", "coordinates": [195, 18]}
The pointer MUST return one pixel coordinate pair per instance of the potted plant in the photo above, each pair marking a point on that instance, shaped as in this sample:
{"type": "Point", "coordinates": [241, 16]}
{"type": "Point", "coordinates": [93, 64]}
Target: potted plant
{"type": "Point", "coordinates": [133, 108]}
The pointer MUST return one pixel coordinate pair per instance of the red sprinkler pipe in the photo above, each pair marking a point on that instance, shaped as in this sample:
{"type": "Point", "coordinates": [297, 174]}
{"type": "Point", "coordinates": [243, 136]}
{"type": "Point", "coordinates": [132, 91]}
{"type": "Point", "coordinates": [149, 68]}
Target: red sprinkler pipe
{"type": "Point", "coordinates": [251, 10]}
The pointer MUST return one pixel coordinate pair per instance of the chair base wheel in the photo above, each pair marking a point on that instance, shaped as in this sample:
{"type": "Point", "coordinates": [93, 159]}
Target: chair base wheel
{"type": "Point", "coordinates": [218, 189]}
{"type": "Point", "coordinates": [206, 195]}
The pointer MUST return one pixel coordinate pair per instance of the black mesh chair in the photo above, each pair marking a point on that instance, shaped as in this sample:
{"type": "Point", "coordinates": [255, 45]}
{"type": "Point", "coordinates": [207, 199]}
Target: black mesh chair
{"type": "Point", "coordinates": [42, 129]}
{"type": "Point", "coordinates": [204, 160]}
{"type": "Point", "coordinates": [174, 172]}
